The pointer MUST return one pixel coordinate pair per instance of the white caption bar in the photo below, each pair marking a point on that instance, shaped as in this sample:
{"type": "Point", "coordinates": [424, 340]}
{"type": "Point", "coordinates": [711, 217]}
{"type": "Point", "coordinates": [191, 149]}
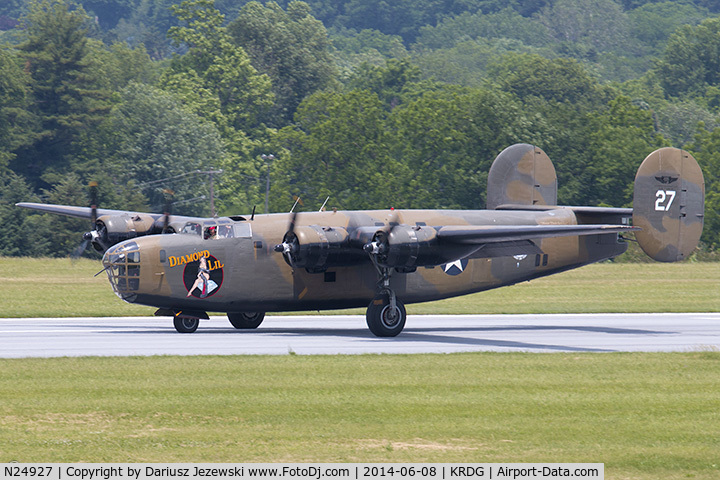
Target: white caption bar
{"type": "Point", "coordinates": [301, 471]}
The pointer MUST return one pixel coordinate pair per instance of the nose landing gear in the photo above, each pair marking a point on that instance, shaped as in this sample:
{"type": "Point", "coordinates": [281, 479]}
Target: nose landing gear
{"type": "Point", "coordinates": [186, 324]}
{"type": "Point", "coordinates": [185, 321]}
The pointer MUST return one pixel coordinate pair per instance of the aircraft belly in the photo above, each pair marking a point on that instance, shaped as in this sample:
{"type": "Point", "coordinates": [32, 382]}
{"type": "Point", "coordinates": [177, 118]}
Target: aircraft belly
{"type": "Point", "coordinates": [479, 274]}
{"type": "Point", "coordinates": [465, 276]}
{"type": "Point", "coordinates": [340, 287]}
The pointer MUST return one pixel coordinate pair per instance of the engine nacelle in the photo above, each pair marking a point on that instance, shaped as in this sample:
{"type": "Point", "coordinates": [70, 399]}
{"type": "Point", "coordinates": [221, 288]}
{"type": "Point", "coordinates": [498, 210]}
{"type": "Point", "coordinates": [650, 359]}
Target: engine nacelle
{"type": "Point", "coordinates": [112, 229]}
{"type": "Point", "coordinates": [407, 247]}
{"type": "Point", "coordinates": [318, 248]}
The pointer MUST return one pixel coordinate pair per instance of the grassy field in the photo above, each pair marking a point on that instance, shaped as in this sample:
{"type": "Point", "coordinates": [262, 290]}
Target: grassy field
{"type": "Point", "coordinates": [646, 416]}
{"type": "Point", "coordinates": [59, 287]}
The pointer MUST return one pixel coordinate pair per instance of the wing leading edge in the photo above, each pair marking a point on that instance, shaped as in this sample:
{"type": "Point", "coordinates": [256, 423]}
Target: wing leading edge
{"type": "Point", "coordinates": [71, 211]}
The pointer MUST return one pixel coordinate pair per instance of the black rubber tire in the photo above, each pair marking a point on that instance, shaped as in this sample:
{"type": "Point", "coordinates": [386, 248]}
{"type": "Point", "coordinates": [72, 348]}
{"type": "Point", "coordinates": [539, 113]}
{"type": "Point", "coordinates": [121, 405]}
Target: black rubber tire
{"type": "Point", "coordinates": [246, 320]}
{"type": "Point", "coordinates": [378, 320]}
{"type": "Point", "coordinates": [186, 324]}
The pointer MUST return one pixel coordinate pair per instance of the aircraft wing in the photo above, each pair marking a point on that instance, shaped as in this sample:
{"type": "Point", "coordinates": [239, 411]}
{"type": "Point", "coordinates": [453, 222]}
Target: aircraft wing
{"type": "Point", "coordinates": [70, 211]}
{"type": "Point", "coordinates": [485, 234]}
{"type": "Point", "coordinates": [86, 212]}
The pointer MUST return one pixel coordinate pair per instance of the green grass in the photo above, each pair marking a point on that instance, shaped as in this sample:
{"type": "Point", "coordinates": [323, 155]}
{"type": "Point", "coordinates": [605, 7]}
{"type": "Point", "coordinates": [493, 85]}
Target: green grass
{"type": "Point", "coordinates": [646, 416]}
{"type": "Point", "coordinates": [59, 287]}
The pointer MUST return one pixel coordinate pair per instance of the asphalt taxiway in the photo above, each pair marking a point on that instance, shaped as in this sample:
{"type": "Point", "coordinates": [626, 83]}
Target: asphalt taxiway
{"type": "Point", "coordinates": [348, 334]}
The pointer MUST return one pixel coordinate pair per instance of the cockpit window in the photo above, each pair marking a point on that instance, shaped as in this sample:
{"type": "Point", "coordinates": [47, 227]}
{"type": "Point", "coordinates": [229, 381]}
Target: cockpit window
{"type": "Point", "coordinates": [225, 231]}
{"type": "Point", "coordinates": [211, 232]}
{"type": "Point", "coordinates": [192, 228]}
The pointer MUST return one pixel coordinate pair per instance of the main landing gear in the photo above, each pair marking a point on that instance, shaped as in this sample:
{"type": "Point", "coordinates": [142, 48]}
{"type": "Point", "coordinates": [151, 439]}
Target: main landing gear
{"type": "Point", "coordinates": [385, 319]}
{"type": "Point", "coordinates": [246, 320]}
{"type": "Point", "coordinates": [386, 314]}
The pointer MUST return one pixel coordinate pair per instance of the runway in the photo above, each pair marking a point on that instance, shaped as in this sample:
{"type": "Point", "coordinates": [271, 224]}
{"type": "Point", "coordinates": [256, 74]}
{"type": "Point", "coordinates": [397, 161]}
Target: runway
{"type": "Point", "coordinates": [346, 334]}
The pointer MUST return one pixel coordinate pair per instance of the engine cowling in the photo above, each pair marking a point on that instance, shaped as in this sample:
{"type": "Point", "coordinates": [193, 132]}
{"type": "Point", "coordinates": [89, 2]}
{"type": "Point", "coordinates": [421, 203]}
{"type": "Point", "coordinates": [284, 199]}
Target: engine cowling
{"type": "Point", "coordinates": [317, 248]}
{"type": "Point", "coordinates": [402, 247]}
{"type": "Point", "coordinates": [112, 229]}
{"type": "Point", "coordinates": [406, 247]}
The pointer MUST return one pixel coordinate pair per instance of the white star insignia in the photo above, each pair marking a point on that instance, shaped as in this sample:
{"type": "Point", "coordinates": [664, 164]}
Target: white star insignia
{"type": "Point", "coordinates": [456, 263]}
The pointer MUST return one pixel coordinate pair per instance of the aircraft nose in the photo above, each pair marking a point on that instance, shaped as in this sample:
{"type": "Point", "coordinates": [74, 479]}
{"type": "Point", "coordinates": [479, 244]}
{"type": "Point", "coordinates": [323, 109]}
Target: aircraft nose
{"type": "Point", "coordinates": [122, 264]}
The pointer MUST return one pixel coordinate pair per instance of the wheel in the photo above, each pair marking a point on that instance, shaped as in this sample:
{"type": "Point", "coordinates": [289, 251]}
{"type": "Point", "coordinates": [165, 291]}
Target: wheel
{"type": "Point", "coordinates": [186, 324]}
{"type": "Point", "coordinates": [246, 320]}
{"type": "Point", "coordinates": [382, 321]}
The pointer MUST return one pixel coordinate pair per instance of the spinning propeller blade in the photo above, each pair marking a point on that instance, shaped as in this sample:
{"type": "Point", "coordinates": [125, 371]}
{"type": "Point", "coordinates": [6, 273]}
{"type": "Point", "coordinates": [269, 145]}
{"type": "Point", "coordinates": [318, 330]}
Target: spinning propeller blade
{"type": "Point", "coordinates": [380, 242]}
{"type": "Point", "coordinates": [93, 202]}
{"type": "Point", "coordinates": [167, 210]}
{"type": "Point", "coordinates": [289, 242]}
{"type": "Point", "coordinates": [88, 236]}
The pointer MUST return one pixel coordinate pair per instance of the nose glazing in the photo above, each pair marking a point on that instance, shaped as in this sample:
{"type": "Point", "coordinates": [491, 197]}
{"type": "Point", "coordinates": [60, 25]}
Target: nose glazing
{"type": "Point", "coordinates": [122, 265]}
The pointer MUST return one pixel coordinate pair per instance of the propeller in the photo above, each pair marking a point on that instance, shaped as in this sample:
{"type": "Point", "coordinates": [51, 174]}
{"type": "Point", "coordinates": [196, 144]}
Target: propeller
{"type": "Point", "coordinates": [93, 201]}
{"type": "Point", "coordinates": [167, 210]}
{"type": "Point", "coordinates": [93, 234]}
{"type": "Point", "coordinates": [289, 245]}
{"type": "Point", "coordinates": [378, 247]}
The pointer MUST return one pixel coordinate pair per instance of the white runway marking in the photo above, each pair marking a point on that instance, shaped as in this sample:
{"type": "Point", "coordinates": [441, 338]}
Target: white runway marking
{"type": "Point", "coordinates": [348, 334]}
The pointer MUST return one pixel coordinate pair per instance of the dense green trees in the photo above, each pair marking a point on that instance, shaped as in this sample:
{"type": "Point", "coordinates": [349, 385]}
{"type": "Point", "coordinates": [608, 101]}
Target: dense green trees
{"type": "Point", "coordinates": [14, 118]}
{"type": "Point", "coordinates": [691, 62]}
{"type": "Point", "coordinates": [447, 139]}
{"type": "Point", "coordinates": [291, 47]}
{"type": "Point", "coordinates": [154, 137]}
{"type": "Point", "coordinates": [706, 148]}
{"type": "Point", "coordinates": [338, 148]}
{"type": "Point", "coordinates": [216, 80]}
{"type": "Point", "coordinates": [586, 27]}
{"type": "Point", "coordinates": [374, 104]}
{"type": "Point", "coordinates": [67, 97]}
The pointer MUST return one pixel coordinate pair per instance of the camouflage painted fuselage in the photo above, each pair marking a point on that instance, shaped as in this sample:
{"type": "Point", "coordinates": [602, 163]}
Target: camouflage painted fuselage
{"type": "Point", "coordinates": [248, 275]}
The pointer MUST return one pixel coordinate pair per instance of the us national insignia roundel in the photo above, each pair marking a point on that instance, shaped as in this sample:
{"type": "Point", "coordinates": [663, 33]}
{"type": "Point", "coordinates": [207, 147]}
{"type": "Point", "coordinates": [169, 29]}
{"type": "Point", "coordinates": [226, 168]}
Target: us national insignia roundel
{"type": "Point", "coordinates": [203, 277]}
{"type": "Point", "coordinates": [456, 267]}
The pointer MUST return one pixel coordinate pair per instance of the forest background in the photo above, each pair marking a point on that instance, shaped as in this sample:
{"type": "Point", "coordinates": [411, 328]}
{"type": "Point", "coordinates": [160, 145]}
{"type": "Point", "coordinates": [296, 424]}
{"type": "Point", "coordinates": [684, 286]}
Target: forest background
{"type": "Point", "coordinates": [375, 104]}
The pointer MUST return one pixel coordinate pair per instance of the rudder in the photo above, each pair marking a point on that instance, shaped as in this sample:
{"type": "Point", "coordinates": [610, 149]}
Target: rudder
{"type": "Point", "coordinates": [668, 204]}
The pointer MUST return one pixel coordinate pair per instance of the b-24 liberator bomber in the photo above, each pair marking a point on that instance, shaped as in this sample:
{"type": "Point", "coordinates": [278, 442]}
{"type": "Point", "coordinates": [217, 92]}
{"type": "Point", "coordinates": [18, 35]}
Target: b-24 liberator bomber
{"type": "Point", "coordinates": [383, 259]}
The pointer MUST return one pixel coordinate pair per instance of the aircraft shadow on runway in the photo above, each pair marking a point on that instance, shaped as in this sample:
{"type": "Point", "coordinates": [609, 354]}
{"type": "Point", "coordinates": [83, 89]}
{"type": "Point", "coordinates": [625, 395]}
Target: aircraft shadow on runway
{"type": "Point", "coordinates": [424, 334]}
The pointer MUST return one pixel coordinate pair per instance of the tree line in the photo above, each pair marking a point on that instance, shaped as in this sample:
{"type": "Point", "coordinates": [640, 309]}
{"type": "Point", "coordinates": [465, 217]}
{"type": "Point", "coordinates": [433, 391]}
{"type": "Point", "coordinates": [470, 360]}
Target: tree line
{"type": "Point", "coordinates": [372, 104]}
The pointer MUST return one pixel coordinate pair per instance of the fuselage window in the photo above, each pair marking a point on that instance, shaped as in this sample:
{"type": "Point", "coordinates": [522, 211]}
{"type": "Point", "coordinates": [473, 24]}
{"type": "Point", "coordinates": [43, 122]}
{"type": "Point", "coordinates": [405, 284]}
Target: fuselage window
{"type": "Point", "coordinates": [192, 228]}
{"type": "Point", "coordinates": [225, 231]}
{"type": "Point", "coordinates": [243, 230]}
